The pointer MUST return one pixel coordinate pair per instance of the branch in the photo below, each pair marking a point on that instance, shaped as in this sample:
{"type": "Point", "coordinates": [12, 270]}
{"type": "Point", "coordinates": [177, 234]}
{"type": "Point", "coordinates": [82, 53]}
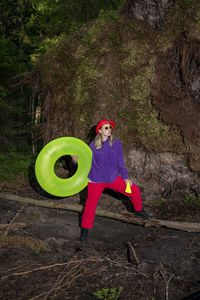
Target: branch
{"type": "Point", "coordinates": [13, 219]}
{"type": "Point", "coordinates": [13, 226]}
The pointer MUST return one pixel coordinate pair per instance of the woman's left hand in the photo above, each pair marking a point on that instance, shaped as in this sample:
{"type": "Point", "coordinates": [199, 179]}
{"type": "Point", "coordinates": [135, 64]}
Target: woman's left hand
{"type": "Point", "coordinates": [128, 180]}
{"type": "Point", "coordinates": [75, 158]}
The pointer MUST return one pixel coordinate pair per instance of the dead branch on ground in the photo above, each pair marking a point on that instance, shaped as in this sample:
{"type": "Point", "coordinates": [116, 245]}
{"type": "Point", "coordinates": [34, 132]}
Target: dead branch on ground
{"type": "Point", "coordinates": [13, 226]}
{"type": "Point", "coordinates": [67, 273]}
{"type": "Point", "coordinates": [132, 250]}
{"type": "Point", "coordinates": [13, 219]}
{"type": "Point", "coordinates": [124, 217]}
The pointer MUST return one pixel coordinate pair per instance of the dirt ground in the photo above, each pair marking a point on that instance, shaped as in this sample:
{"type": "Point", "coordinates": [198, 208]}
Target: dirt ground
{"type": "Point", "coordinates": [44, 259]}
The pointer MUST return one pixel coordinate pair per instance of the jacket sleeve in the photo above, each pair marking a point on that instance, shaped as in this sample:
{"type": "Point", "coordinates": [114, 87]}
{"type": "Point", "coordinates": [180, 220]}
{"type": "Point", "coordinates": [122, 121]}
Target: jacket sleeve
{"type": "Point", "coordinates": [120, 162]}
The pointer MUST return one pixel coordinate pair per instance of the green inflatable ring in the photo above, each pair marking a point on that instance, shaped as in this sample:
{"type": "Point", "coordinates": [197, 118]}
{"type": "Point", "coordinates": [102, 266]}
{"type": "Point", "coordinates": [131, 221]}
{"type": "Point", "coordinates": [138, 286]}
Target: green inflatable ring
{"type": "Point", "coordinates": [45, 162]}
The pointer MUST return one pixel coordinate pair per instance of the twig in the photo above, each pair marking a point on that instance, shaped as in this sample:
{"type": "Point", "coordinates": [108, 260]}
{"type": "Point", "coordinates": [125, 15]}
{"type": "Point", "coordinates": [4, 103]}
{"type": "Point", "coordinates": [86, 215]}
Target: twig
{"type": "Point", "coordinates": [52, 266]}
{"type": "Point", "coordinates": [193, 256]}
{"type": "Point", "coordinates": [65, 281]}
{"type": "Point", "coordinates": [15, 216]}
{"type": "Point", "coordinates": [57, 284]}
{"type": "Point", "coordinates": [134, 252]}
{"type": "Point", "coordinates": [167, 286]}
{"type": "Point", "coordinates": [11, 269]}
{"type": "Point", "coordinates": [38, 296]}
{"type": "Point", "coordinates": [128, 268]}
{"type": "Point", "coordinates": [165, 279]}
{"type": "Point", "coordinates": [36, 269]}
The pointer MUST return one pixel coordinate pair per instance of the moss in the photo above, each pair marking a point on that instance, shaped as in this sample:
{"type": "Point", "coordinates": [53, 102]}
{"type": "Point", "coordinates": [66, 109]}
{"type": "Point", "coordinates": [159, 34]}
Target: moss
{"type": "Point", "coordinates": [144, 119]}
{"type": "Point", "coordinates": [108, 70]}
{"type": "Point", "coordinates": [14, 241]}
{"type": "Point", "coordinates": [13, 165]}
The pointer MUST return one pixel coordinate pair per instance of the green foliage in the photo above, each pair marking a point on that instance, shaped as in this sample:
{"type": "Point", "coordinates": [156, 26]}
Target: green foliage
{"type": "Point", "coordinates": [10, 61]}
{"type": "Point", "coordinates": [36, 216]}
{"type": "Point", "coordinates": [13, 165]}
{"type": "Point", "coordinates": [189, 199]}
{"type": "Point", "coordinates": [108, 15]}
{"type": "Point", "coordinates": [5, 108]}
{"type": "Point", "coordinates": [161, 202]}
{"type": "Point", "coordinates": [109, 293]}
{"type": "Point", "coordinates": [51, 19]}
{"type": "Point", "coordinates": [14, 14]}
{"type": "Point", "coordinates": [186, 4]}
{"type": "Point", "coordinates": [13, 101]}
{"type": "Point", "coordinates": [30, 28]}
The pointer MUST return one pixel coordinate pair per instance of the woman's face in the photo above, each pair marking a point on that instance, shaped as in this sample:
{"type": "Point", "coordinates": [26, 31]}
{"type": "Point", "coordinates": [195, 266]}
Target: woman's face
{"type": "Point", "coordinates": [106, 130]}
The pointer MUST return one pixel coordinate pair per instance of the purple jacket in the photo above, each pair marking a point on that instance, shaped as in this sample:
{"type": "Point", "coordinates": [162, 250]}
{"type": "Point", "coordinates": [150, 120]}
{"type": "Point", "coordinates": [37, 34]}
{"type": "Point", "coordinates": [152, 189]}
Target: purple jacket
{"type": "Point", "coordinates": [107, 162]}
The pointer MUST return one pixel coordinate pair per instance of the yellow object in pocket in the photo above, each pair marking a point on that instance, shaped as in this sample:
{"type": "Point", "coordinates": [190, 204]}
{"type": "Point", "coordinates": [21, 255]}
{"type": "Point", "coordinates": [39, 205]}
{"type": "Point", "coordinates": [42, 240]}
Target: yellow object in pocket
{"type": "Point", "coordinates": [128, 188]}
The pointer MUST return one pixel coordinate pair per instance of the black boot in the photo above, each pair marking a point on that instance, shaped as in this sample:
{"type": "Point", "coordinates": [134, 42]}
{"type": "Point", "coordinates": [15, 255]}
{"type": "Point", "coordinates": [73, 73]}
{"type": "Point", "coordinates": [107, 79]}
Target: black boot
{"type": "Point", "coordinates": [142, 214]}
{"type": "Point", "coordinates": [83, 237]}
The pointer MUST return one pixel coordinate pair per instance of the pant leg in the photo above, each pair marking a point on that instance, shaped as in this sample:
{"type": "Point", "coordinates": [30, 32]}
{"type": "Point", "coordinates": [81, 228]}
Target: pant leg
{"type": "Point", "coordinates": [94, 192]}
{"type": "Point", "coordinates": [119, 185]}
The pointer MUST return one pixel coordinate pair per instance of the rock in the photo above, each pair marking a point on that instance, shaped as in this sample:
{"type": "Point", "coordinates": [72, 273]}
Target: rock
{"type": "Point", "coordinates": [161, 174]}
{"type": "Point", "coordinates": [151, 12]}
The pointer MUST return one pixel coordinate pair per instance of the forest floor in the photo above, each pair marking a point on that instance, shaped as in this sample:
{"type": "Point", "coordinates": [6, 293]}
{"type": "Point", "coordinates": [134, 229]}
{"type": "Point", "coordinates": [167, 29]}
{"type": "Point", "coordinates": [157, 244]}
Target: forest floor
{"type": "Point", "coordinates": [44, 259]}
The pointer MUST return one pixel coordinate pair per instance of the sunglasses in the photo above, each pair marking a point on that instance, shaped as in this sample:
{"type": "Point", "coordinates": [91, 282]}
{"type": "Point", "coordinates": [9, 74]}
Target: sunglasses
{"type": "Point", "coordinates": [106, 127]}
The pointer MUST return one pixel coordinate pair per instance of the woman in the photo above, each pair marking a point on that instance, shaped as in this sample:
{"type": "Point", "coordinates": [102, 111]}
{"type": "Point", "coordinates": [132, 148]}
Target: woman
{"type": "Point", "coordinates": [107, 171]}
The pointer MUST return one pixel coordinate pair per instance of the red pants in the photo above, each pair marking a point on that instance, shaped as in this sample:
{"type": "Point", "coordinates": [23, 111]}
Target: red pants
{"type": "Point", "coordinates": [96, 189]}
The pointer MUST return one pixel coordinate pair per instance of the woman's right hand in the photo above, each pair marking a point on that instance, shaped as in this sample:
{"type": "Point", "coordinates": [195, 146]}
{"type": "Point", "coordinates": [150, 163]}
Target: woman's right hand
{"type": "Point", "coordinates": [75, 158]}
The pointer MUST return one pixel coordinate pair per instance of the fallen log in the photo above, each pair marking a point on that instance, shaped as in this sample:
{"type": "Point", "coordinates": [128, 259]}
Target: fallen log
{"type": "Point", "coordinates": [124, 217]}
